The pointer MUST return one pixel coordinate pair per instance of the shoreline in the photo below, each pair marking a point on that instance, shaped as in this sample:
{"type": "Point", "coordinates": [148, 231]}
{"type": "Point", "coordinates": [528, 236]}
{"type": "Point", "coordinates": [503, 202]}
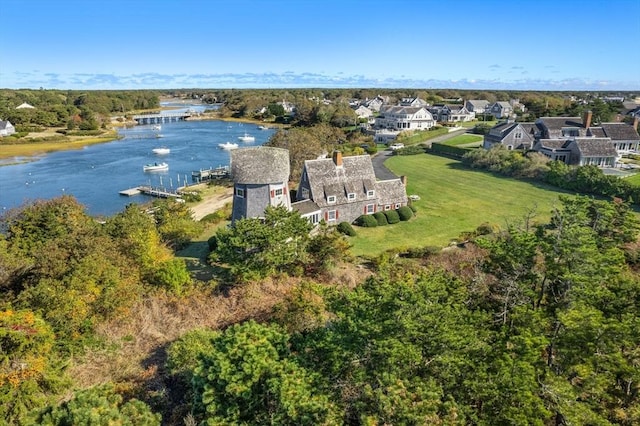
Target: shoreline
{"type": "Point", "coordinates": [19, 153]}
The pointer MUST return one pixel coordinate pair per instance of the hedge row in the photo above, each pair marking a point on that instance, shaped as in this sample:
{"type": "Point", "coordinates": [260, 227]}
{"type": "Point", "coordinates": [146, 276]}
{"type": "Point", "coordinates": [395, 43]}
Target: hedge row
{"type": "Point", "coordinates": [388, 217]}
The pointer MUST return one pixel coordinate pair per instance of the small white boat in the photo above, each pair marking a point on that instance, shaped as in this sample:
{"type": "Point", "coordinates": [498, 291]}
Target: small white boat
{"type": "Point", "coordinates": [228, 145]}
{"type": "Point", "coordinates": [157, 127]}
{"type": "Point", "coordinates": [161, 151]}
{"type": "Point", "coordinates": [264, 127]}
{"type": "Point", "coordinates": [154, 167]}
{"type": "Point", "coordinates": [247, 138]}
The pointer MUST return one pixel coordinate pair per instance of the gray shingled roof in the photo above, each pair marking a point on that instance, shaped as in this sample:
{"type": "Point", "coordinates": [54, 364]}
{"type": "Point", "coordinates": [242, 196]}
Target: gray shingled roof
{"type": "Point", "coordinates": [620, 131]}
{"type": "Point", "coordinates": [391, 192]}
{"type": "Point", "coordinates": [596, 147]}
{"type": "Point", "coordinates": [409, 110]}
{"type": "Point", "coordinates": [260, 165]}
{"type": "Point", "coordinates": [553, 143]}
{"type": "Point", "coordinates": [557, 123]}
{"type": "Point", "coordinates": [305, 207]}
{"type": "Point", "coordinates": [325, 178]}
{"type": "Point", "coordinates": [479, 103]}
{"type": "Point", "coordinates": [597, 132]}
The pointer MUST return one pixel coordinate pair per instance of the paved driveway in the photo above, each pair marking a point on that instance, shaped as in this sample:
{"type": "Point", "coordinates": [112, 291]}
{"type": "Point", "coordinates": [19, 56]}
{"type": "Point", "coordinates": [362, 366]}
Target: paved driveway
{"type": "Point", "coordinates": [380, 170]}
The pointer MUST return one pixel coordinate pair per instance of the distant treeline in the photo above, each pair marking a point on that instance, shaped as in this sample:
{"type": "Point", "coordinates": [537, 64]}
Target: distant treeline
{"type": "Point", "coordinates": [89, 109]}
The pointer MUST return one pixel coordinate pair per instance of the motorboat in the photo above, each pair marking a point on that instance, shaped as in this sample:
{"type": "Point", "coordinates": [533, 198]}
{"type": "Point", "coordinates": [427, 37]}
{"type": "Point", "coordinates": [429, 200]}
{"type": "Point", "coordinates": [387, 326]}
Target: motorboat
{"type": "Point", "coordinates": [161, 150]}
{"type": "Point", "coordinates": [264, 127]}
{"type": "Point", "coordinates": [157, 127]}
{"type": "Point", "coordinates": [247, 138]}
{"type": "Point", "coordinates": [228, 145]}
{"type": "Point", "coordinates": [155, 167]}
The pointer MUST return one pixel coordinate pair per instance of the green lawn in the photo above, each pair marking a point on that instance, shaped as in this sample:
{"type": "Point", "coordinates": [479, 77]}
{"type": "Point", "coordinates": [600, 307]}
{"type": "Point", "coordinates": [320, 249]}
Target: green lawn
{"type": "Point", "coordinates": [635, 179]}
{"type": "Point", "coordinates": [453, 199]}
{"type": "Point", "coordinates": [465, 140]}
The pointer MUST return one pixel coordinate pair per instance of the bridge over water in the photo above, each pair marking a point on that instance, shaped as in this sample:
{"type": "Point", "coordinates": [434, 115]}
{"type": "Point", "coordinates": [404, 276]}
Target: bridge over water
{"type": "Point", "coordinates": [165, 117]}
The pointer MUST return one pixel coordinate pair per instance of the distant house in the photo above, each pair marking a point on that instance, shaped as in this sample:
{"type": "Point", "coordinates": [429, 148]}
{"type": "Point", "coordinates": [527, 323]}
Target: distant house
{"type": "Point", "coordinates": [500, 109]}
{"type": "Point", "coordinates": [376, 103]}
{"type": "Point", "coordinates": [25, 106]}
{"type": "Point", "coordinates": [340, 189]}
{"type": "Point", "coordinates": [477, 106]}
{"type": "Point", "coordinates": [260, 179]}
{"type": "Point", "coordinates": [579, 151]}
{"type": "Point", "coordinates": [363, 112]}
{"type": "Point", "coordinates": [401, 118]}
{"type": "Point", "coordinates": [511, 135]}
{"type": "Point", "coordinates": [455, 113]}
{"type": "Point", "coordinates": [575, 141]}
{"type": "Point", "coordinates": [413, 102]}
{"type": "Point", "coordinates": [6, 128]}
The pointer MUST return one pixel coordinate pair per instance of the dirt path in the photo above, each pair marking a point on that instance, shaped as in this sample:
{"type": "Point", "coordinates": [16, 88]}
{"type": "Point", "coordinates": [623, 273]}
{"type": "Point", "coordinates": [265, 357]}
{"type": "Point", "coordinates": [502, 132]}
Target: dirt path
{"type": "Point", "coordinates": [211, 203]}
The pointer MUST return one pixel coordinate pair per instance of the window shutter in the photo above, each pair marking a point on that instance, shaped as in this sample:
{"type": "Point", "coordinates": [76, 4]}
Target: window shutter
{"type": "Point", "coordinates": [365, 209]}
{"type": "Point", "coordinates": [272, 193]}
{"type": "Point", "coordinates": [326, 216]}
{"type": "Point", "coordinates": [336, 214]}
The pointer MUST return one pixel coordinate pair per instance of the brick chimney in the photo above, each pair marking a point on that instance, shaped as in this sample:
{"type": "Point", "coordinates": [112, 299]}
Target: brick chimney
{"type": "Point", "coordinates": [337, 158]}
{"type": "Point", "coordinates": [586, 120]}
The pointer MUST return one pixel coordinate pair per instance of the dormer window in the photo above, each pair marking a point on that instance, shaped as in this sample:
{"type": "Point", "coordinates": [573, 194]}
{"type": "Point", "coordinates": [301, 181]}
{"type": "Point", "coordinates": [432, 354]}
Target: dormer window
{"type": "Point", "coordinates": [240, 192]}
{"type": "Point", "coordinates": [371, 193]}
{"type": "Point", "coordinates": [351, 196]}
{"type": "Point", "coordinates": [331, 199]}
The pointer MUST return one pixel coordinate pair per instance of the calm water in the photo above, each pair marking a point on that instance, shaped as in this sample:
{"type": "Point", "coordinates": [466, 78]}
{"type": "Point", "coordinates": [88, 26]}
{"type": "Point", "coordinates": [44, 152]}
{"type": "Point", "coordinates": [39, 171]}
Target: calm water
{"type": "Point", "coordinates": [96, 174]}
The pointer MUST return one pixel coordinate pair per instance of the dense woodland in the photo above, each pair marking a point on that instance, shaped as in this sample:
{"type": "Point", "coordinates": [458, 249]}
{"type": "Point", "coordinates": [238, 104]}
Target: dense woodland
{"type": "Point", "coordinates": [536, 323]}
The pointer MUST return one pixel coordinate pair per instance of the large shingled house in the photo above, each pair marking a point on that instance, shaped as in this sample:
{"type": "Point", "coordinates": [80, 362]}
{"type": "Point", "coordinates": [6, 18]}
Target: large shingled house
{"type": "Point", "coordinates": [332, 189]}
{"type": "Point", "coordinates": [344, 188]}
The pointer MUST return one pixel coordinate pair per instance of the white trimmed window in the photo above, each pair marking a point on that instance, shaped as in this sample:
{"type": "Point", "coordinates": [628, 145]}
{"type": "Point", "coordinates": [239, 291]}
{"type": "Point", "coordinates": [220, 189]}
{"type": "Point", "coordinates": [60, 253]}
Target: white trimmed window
{"type": "Point", "coordinates": [278, 192]}
{"type": "Point", "coordinates": [240, 192]}
{"type": "Point", "coordinates": [371, 193]}
{"type": "Point", "coordinates": [305, 193]}
{"type": "Point", "coordinates": [351, 196]}
{"type": "Point", "coordinates": [370, 209]}
{"type": "Point", "coordinates": [331, 216]}
{"type": "Point", "coordinates": [331, 199]}
{"type": "Point", "coordinates": [397, 206]}
{"type": "Point", "coordinates": [387, 207]}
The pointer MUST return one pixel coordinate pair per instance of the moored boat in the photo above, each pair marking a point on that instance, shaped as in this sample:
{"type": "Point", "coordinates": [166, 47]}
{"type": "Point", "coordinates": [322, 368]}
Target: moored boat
{"type": "Point", "coordinates": [161, 150]}
{"type": "Point", "coordinates": [153, 167]}
{"type": "Point", "coordinates": [228, 145]}
{"type": "Point", "coordinates": [246, 138]}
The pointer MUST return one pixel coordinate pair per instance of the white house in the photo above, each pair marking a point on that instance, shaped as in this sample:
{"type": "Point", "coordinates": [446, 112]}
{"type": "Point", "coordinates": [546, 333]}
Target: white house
{"type": "Point", "coordinates": [6, 128]}
{"type": "Point", "coordinates": [401, 118]}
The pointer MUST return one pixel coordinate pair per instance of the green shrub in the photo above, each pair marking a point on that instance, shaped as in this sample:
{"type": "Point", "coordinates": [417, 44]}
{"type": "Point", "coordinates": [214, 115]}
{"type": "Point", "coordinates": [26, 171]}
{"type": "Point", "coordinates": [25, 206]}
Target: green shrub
{"type": "Point", "coordinates": [405, 213]}
{"type": "Point", "coordinates": [413, 208]}
{"type": "Point", "coordinates": [213, 243]}
{"type": "Point", "coordinates": [410, 150]}
{"type": "Point", "coordinates": [420, 252]}
{"type": "Point", "coordinates": [346, 229]}
{"type": "Point", "coordinates": [380, 218]}
{"type": "Point", "coordinates": [367, 221]}
{"type": "Point", "coordinates": [392, 216]}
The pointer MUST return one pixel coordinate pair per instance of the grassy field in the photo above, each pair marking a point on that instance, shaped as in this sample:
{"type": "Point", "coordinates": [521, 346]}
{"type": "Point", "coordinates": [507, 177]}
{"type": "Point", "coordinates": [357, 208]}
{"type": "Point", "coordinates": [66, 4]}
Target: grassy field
{"type": "Point", "coordinates": [453, 199]}
{"type": "Point", "coordinates": [465, 140]}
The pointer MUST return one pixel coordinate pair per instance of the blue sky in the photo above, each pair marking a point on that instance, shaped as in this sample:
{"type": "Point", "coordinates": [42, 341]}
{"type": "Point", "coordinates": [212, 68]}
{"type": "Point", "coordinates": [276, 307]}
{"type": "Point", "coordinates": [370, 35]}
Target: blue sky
{"type": "Point", "coordinates": [467, 44]}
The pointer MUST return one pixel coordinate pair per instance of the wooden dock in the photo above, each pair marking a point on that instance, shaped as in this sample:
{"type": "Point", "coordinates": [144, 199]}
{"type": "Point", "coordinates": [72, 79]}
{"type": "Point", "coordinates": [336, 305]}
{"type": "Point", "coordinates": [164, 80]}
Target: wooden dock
{"type": "Point", "coordinates": [204, 175]}
{"type": "Point", "coordinates": [159, 192]}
